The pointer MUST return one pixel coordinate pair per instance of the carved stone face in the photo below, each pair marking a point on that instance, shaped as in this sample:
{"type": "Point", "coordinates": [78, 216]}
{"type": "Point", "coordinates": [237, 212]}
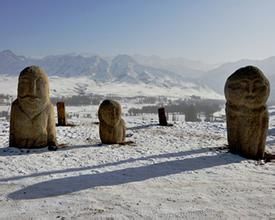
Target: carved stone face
{"type": "Point", "coordinates": [33, 90]}
{"type": "Point", "coordinates": [248, 87]}
{"type": "Point", "coordinates": [110, 112]}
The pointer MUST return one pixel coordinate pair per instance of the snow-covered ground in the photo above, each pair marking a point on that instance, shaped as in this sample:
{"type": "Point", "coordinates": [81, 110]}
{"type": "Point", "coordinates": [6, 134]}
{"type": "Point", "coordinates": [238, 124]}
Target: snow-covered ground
{"type": "Point", "coordinates": [178, 172]}
{"type": "Point", "coordinates": [63, 87]}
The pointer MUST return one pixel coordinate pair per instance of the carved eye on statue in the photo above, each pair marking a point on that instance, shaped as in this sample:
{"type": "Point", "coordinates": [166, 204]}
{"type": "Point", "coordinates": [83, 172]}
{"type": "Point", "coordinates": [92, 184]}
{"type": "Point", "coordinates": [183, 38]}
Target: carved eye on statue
{"type": "Point", "coordinates": [259, 87]}
{"type": "Point", "coordinates": [234, 86]}
{"type": "Point", "coordinates": [237, 87]}
{"type": "Point", "coordinates": [24, 87]}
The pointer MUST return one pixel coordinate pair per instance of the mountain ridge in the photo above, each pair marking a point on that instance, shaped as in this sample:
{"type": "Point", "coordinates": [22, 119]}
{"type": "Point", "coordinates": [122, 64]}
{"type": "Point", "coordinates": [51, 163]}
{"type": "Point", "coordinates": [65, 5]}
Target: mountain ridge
{"type": "Point", "coordinates": [122, 68]}
{"type": "Point", "coordinates": [126, 69]}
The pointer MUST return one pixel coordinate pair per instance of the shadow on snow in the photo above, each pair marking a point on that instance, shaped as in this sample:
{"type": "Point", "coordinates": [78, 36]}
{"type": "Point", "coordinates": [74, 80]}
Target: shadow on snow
{"type": "Point", "coordinates": [131, 160]}
{"type": "Point", "coordinates": [62, 186]}
{"type": "Point", "coordinates": [13, 151]}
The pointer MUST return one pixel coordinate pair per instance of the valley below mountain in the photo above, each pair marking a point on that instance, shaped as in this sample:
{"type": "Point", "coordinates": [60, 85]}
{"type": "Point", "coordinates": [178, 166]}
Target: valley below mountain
{"type": "Point", "coordinates": [125, 75]}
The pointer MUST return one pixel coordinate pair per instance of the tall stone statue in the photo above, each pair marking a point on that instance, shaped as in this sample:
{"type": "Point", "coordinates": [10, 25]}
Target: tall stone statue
{"type": "Point", "coordinates": [246, 92]}
{"type": "Point", "coordinates": [32, 122]}
{"type": "Point", "coordinates": [111, 125]}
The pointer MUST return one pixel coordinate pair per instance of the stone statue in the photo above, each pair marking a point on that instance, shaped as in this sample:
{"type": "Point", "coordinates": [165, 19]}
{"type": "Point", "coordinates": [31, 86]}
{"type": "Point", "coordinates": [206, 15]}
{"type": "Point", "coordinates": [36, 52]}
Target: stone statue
{"type": "Point", "coordinates": [111, 125]}
{"type": "Point", "coordinates": [32, 122]}
{"type": "Point", "coordinates": [246, 92]}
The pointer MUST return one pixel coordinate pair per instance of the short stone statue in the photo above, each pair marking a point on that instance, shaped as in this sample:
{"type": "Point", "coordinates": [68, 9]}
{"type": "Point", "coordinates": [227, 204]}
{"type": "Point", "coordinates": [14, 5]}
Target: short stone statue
{"type": "Point", "coordinates": [32, 122]}
{"type": "Point", "coordinates": [246, 92]}
{"type": "Point", "coordinates": [111, 125]}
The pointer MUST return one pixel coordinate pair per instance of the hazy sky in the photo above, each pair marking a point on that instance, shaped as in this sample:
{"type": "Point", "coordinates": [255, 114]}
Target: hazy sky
{"type": "Point", "coordinates": [208, 30]}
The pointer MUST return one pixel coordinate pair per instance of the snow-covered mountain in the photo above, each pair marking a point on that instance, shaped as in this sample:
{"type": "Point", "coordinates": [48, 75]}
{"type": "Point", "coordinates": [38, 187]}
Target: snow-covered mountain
{"type": "Point", "coordinates": [132, 72]}
{"type": "Point", "coordinates": [60, 65]}
{"type": "Point", "coordinates": [121, 68]}
{"type": "Point", "coordinates": [71, 65]}
{"type": "Point", "coordinates": [193, 69]}
{"type": "Point", "coordinates": [11, 63]}
{"type": "Point", "coordinates": [125, 69]}
{"type": "Point", "coordinates": [216, 78]}
{"type": "Point", "coordinates": [85, 72]}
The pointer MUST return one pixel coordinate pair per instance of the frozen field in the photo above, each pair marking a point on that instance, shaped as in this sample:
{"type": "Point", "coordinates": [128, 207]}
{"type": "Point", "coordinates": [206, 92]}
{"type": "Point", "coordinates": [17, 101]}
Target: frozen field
{"type": "Point", "coordinates": [62, 86]}
{"type": "Point", "coordinates": [179, 172]}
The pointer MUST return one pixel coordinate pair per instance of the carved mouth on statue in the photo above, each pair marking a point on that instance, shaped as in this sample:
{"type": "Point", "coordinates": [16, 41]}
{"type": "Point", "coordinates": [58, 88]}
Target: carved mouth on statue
{"type": "Point", "coordinates": [250, 97]}
{"type": "Point", "coordinates": [30, 98]}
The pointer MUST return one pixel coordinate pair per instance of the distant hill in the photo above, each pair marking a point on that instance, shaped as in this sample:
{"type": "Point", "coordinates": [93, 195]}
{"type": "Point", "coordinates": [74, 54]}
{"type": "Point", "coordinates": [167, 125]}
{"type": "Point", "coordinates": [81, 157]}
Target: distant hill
{"type": "Point", "coordinates": [76, 74]}
{"type": "Point", "coordinates": [190, 68]}
{"type": "Point", "coordinates": [216, 78]}
{"type": "Point", "coordinates": [122, 68]}
{"type": "Point", "coordinates": [137, 69]}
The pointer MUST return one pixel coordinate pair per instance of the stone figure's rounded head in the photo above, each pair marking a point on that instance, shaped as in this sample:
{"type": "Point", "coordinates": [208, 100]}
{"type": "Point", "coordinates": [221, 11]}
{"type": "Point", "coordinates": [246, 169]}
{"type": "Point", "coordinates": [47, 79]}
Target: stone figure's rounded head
{"type": "Point", "coordinates": [33, 84]}
{"type": "Point", "coordinates": [109, 112]}
{"type": "Point", "coordinates": [248, 86]}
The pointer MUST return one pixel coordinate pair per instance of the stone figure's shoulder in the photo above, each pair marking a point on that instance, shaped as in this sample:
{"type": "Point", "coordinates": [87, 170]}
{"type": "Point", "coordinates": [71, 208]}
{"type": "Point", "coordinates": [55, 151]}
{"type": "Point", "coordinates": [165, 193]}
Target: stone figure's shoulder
{"type": "Point", "coordinates": [15, 102]}
{"type": "Point", "coordinates": [122, 121]}
{"type": "Point", "coordinates": [49, 107]}
{"type": "Point", "coordinates": [15, 105]}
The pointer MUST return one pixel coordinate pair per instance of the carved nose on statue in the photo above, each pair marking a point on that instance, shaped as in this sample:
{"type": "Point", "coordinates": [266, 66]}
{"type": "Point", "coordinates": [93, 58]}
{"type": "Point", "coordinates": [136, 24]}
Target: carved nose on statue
{"type": "Point", "coordinates": [32, 88]}
{"type": "Point", "coordinates": [250, 90]}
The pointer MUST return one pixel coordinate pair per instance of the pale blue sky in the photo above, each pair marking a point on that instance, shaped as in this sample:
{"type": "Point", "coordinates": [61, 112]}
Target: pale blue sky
{"type": "Point", "coordinates": [208, 30]}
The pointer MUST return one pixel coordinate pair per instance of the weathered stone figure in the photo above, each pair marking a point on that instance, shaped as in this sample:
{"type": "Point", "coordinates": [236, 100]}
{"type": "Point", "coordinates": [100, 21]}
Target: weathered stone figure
{"type": "Point", "coordinates": [111, 125]}
{"type": "Point", "coordinates": [32, 122]}
{"type": "Point", "coordinates": [246, 92]}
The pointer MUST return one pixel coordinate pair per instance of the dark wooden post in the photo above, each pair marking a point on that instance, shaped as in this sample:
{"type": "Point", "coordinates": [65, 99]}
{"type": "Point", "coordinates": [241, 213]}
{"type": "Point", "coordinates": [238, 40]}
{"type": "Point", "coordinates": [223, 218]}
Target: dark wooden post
{"type": "Point", "coordinates": [61, 114]}
{"type": "Point", "coordinates": [162, 117]}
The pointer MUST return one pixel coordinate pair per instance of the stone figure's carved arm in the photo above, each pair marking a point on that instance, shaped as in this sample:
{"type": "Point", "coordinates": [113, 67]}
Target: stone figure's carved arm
{"type": "Point", "coordinates": [124, 129]}
{"type": "Point", "coordinates": [264, 130]}
{"type": "Point", "coordinates": [11, 137]}
{"type": "Point", "coordinates": [51, 129]}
